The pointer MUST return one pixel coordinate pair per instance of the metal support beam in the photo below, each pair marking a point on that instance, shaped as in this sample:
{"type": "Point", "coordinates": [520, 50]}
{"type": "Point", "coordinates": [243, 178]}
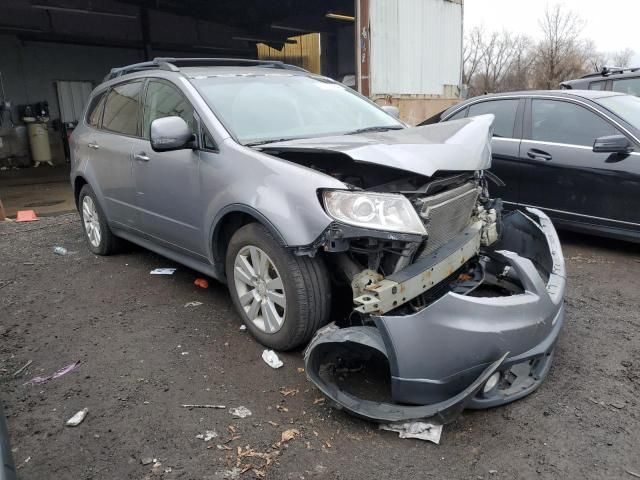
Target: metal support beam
{"type": "Point", "coordinates": [146, 37]}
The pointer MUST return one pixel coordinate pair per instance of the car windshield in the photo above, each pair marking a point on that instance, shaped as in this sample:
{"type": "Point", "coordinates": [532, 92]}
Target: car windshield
{"type": "Point", "coordinates": [626, 107]}
{"type": "Point", "coordinates": [262, 108]}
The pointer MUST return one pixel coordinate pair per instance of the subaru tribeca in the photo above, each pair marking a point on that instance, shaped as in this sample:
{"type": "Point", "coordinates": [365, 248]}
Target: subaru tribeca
{"type": "Point", "coordinates": [315, 205]}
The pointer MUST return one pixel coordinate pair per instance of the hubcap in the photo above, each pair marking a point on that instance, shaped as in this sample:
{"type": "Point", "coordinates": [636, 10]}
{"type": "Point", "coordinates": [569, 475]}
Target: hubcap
{"type": "Point", "coordinates": [91, 222]}
{"type": "Point", "coordinates": [260, 289]}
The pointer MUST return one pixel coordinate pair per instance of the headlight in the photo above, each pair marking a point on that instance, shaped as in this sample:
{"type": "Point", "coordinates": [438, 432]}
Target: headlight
{"type": "Point", "coordinates": [379, 211]}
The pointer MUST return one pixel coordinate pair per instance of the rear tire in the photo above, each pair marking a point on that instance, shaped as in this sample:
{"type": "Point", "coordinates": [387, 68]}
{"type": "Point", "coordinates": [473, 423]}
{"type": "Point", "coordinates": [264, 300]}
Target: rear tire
{"type": "Point", "coordinates": [282, 298]}
{"type": "Point", "coordinates": [98, 235]}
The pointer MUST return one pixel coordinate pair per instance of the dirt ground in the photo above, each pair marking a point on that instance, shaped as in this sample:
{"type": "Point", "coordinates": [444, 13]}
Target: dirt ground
{"type": "Point", "coordinates": [143, 354]}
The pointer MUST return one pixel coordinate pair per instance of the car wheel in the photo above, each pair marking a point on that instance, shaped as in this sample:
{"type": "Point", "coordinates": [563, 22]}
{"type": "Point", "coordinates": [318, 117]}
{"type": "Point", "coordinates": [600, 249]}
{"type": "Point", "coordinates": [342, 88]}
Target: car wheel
{"type": "Point", "coordinates": [282, 298]}
{"type": "Point", "coordinates": [99, 238]}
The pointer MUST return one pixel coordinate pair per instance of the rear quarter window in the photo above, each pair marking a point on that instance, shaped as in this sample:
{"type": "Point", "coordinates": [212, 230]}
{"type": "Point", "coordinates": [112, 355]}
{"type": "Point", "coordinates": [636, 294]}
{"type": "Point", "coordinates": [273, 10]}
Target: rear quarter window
{"type": "Point", "coordinates": [94, 112]}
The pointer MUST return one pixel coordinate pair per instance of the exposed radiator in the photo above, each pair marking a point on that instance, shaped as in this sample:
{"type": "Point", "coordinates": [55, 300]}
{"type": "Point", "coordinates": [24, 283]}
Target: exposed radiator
{"type": "Point", "coordinates": [446, 214]}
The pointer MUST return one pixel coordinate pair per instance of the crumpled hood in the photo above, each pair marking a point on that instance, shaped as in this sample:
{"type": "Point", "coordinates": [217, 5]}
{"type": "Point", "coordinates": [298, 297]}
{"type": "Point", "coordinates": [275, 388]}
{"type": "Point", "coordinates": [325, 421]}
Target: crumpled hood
{"type": "Point", "coordinates": [463, 145]}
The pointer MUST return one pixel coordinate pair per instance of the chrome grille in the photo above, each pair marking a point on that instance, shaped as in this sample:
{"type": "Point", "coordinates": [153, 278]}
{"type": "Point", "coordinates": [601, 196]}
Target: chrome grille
{"type": "Point", "coordinates": [446, 214]}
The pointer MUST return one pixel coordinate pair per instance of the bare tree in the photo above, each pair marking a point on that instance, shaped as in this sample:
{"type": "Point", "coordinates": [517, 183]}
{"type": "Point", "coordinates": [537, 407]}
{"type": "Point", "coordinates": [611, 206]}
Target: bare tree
{"type": "Point", "coordinates": [471, 54]}
{"type": "Point", "coordinates": [561, 53]}
{"type": "Point", "coordinates": [518, 76]}
{"type": "Point", "coordinates": [622, 58]}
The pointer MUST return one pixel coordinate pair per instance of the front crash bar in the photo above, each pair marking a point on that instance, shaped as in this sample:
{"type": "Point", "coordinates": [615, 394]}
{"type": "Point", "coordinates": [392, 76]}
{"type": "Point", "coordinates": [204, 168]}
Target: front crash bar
{"type": "Point", "coordinates": [331, 341]}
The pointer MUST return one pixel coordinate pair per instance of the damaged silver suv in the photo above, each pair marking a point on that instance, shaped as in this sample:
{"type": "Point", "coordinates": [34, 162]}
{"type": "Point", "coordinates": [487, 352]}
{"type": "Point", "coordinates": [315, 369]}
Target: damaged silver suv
{"type": "Point", "coordinates": [314, 205]}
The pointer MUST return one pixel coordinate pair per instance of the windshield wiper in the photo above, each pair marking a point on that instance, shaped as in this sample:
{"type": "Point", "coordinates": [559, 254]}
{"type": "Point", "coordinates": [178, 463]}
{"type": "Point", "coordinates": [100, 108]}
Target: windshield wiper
{"type": "Point", "coordinates": [271, 140]}
{"type": "Point", "coordinates": [375, 129]}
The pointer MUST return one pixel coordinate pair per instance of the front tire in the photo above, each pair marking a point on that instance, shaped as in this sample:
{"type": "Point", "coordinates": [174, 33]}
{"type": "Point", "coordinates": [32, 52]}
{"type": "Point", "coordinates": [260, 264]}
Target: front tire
{"type": "Point", "coordinates": [282, 298]}
{"type": "Point", "coordinates": [99, 238]}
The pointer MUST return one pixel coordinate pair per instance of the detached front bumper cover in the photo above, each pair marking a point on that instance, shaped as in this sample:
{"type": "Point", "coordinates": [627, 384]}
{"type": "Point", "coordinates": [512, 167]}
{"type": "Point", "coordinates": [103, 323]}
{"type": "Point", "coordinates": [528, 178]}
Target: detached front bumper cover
{"type": "Point", "coordinates": [441, 357]}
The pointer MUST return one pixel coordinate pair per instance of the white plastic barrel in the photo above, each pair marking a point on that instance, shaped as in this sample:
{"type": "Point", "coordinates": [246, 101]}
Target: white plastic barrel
{"type": "Point", "coordinates": [39, 142]}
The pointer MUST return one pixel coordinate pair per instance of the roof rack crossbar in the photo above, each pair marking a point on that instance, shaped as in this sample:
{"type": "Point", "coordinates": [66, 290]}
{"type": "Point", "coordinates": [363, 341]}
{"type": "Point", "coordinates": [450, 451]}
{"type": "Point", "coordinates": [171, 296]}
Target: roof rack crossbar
{"type": "Point", "coordinates": [172, 64]}
{"type": "Point", "coordinates": [606, 71]}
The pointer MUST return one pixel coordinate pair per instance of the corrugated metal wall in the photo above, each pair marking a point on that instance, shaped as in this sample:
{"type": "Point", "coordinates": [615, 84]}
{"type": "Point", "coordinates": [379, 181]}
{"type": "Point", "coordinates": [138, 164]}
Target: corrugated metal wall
{"type": "Point", "coordinates": [416, 46]}
{"type": "Point", "coordinates": [304, 53]}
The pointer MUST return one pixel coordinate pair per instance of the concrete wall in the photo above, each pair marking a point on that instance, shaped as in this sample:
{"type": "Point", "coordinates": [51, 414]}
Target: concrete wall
{"type": "Point", "coordinates": [30, 69]}
{"type": "Point", "coordinates": [29, 72]}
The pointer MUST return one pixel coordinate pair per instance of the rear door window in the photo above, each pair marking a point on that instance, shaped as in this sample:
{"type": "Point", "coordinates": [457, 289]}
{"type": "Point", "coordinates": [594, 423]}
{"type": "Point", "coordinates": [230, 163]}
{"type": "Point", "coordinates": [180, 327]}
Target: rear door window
{"type": "Point", "coordinates": [630, 86]}
{"type": "Point", "coordinates": [165, 100]}
{"type": "Point", "coordinates": [563, 122]}
{"type": "Point", "coordinates": [505, 112]}
{"type": "Point", "coordinates": [122, 109]}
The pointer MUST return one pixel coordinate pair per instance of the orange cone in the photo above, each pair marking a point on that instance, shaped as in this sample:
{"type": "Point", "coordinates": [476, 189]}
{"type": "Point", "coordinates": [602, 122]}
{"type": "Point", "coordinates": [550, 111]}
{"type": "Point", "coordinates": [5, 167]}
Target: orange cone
{"type": "Point", "coordinates": [201, 282]}
{"type": "Point", "coordinates": [26, 216]}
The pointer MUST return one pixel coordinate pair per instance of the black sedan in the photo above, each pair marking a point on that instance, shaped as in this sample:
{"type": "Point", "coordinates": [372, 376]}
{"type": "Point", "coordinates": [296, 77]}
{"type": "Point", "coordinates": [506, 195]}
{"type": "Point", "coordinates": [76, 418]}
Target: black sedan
{"type": "Point", "coordinates": [573, 153]}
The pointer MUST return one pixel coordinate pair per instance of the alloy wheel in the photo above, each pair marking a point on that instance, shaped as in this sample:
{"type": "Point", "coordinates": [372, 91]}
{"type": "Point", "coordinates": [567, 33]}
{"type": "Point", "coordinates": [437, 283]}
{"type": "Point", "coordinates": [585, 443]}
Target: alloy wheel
{"type": "Point", "coordinates": [91, 221]}
{"type": "Point", "coordinates": [260, 289]}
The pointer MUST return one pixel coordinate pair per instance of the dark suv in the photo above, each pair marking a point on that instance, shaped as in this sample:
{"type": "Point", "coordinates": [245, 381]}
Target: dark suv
{"type": "Point", "coordinates": [623, 80]}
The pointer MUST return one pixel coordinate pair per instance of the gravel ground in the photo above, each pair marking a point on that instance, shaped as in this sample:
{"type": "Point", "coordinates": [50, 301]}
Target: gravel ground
{"type": "Point", "coordinates": [143, 354]}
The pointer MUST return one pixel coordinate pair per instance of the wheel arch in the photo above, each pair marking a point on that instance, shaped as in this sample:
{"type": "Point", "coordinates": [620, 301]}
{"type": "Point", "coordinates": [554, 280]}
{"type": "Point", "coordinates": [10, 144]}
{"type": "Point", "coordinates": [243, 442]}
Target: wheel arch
{"type": "Point", "coordinates": [78, 183]}
{"type": "Point", "coordinates": [228, 221]}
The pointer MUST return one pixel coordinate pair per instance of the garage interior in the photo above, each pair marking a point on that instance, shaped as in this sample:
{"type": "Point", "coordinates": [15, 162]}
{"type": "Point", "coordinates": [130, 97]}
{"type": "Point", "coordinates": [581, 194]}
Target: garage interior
{"type": "Point", "coordinates": [55, 51]}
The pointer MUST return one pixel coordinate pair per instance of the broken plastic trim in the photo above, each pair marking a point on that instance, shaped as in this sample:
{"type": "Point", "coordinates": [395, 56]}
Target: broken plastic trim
{"type": "Point", "coordinates": [326, 345]}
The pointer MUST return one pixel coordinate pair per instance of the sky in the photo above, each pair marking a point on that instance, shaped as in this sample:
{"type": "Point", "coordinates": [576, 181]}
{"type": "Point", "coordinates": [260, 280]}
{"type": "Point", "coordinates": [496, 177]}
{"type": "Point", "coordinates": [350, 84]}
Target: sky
{"type": "Point", "coordinates": [611, 24]}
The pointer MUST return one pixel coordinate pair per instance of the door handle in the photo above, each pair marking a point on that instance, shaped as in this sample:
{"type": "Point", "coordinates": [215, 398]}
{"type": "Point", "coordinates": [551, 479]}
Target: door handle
{"type": "Point", "coordinates": [141, 157]}
{"type": "Point", "coordinates": [95, 146]}
{"type": "Point", "coordinates": [538, 154]}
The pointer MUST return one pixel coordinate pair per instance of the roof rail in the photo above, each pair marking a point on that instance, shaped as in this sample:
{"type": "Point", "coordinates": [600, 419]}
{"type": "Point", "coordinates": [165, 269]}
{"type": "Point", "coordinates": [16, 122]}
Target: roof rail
{"type": "Point", "coordinates": [606, 71]}
{"type": "Point", "coordinates": [173, 64]}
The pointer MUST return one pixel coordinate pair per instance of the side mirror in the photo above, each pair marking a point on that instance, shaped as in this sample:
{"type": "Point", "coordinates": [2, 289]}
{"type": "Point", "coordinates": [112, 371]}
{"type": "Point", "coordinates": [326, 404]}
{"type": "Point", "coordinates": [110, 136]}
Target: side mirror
{"type": "Point", "coordinates": [170, 133]}
{"type": "Point", "coordinates": [392, 110]}
{"type": "Point", "coordinates": [612, 144]}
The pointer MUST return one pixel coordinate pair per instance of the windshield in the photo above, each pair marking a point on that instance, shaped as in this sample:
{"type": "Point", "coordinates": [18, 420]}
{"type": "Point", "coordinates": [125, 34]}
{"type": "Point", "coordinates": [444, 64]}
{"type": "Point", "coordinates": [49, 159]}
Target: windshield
{"type": "Point", "coordinates": [626, 107]}
{"type": "Point", "coordinates": [261, 108]}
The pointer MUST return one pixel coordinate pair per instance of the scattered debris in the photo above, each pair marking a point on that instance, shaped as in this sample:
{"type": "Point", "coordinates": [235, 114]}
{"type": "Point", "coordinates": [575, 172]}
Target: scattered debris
{"type": "Point", "coordinates": [289, 392]}
{"type": "Point", "coordinates": [146, 460]}
{"type": "Point", "coordinates": [21, 369]}
{"type": "Point", "coordinates": [247, 453]}
{"type": "Point", "coordinates": [201, 282]}
{"type": "Point", "coordinates": [421, 430]}
{"type": "Point", "coordinates": [192, 304]}
{"type": "Point", "coordinates": [618, 405]}
{"type": "Point", "coordinates": [184, 353]}
{"type": "Point", "coordinates": [318, 400]}
{"type": "Point", "coordinates": [6, 283]}
{"type": "Point", "coordinates": [208, 435]}
{"type": "Point", "coordinates": [240, 412]}
{"type": "Point", "coordinates": [633, 474]}
{"type": "Point", "coordinates": [163, 271]}
{"type": "Point", "coordinates": [282, 408]}
{"type": "Point", "coordinates": [231, 474]}
{"type": "Point", "coordinates": [60, 250]}
{"type": "Point", "coordinates": [26, 216]}
{"type": "Point", "coordinates": [493, 472]}
{"type": "Point", "coordinates": [157, 467]}
{"type": "Point", "coordinates": [300, 370]}
{"type": "Point", "coordinates": [273, 424]}
{"type": "Point", "coordinates": [63, 371]}
{"type": "Point", "coordinates": [78, 418]}
{"type": "Point", "coordinates": [289, 435]}
{"type": "Point", "coordinates": [26, 460]}
{"type": "Point", "coordinates": [196, 405]}
{"type": "Point", "coordinates": [271, 358]}
{"type": "Point", "coordinates": [243, 328]}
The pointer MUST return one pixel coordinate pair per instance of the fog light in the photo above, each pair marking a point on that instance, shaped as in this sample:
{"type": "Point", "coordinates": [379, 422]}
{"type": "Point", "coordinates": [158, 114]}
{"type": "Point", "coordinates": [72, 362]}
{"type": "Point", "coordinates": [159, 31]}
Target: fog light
{"type": "Point", "coordinates": [491, 383]}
